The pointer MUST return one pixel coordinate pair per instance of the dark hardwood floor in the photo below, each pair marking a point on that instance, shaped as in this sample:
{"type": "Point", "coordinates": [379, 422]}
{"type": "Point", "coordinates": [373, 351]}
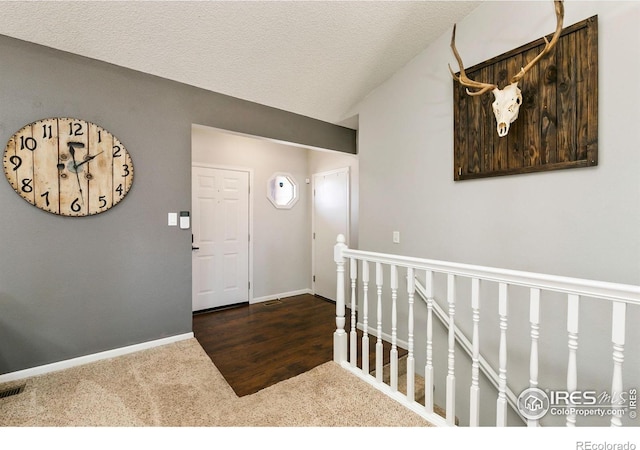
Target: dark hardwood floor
{"type": "Point", "coordinates": [256, 346]}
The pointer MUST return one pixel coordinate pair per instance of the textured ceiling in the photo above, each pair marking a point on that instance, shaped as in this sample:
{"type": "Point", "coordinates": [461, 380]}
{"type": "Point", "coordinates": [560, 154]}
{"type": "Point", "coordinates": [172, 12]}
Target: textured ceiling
{"type": "Point", "coordinates": [315, 58]}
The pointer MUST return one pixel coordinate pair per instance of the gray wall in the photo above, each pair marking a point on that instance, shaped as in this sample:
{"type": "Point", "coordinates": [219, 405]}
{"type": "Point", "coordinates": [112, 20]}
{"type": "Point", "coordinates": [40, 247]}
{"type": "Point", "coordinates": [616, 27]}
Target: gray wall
{"type": "Point", "coordinates": [76, 286]}
{"type": "Point", "coordinates": [581, 222]}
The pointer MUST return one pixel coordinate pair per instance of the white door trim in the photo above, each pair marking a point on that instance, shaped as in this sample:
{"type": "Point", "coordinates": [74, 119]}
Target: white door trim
{"type": "Point", "coordinates": [250, 172]}
{"type": "Point", "coordinates": [346, 170]}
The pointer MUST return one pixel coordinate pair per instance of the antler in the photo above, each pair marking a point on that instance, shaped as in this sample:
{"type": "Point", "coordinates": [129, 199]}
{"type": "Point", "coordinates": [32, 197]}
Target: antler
{"type": "Point", "coordinates": [463, 79]}
{"type": "Point", "coordinates": [548, 44]}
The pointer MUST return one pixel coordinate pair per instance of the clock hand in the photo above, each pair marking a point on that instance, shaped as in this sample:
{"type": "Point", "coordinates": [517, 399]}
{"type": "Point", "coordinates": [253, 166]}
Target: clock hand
{"type": "Point", "coordinates": [87, 159]}
{"type": "Point", "coordinates": [72, 151]}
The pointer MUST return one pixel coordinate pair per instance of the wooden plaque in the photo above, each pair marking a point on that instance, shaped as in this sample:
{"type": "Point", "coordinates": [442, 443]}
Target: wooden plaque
{"type": "Point", "coordinates": [557, 127]}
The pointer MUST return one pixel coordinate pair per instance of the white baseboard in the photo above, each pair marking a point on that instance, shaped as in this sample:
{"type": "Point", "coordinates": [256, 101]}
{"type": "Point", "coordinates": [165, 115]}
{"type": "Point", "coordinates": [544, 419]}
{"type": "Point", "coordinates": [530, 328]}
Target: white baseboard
{"type": "Point", "coordinates": [74, 362]}
{"type": "Point", "coordinates": [266, 298]}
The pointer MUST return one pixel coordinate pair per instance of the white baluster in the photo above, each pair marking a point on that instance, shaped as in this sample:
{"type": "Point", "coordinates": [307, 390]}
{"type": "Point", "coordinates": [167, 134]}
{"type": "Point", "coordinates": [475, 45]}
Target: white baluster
{"type": "Point", "coordinates": [474, 394]}
{"type": "Point", "coordinates": [534, 319]}
{"type": "Point", "coordinates": [501, 406]}
{"type": "Point", "coordinates": [411, 369]}
{"type": "Point", "coordinates": [572, 370]}
{"type": "Point", "coordinates": [353, 335]}
{"type": "Point", "coordinates": [451, 377]}
{"type": "Point", "coordinates": [617, 337]}
{"type": "Point", "coordinates": [428, 368]}
{"type": "Point", "coordinates": [339, 336]}
{"type": "Point", "coordinates": [394, 328]}
{"type": "Point", "coordinates": [365, 313]}
{"type": "Point", "coordinates": [379, 345]}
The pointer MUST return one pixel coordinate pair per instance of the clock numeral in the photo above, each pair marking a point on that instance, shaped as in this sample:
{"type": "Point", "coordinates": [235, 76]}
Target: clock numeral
{"type": "Point", "coordinates": [75, 206]}
{"type": "Point", "coordinates": [119, 189]}
{"type": "Point", "coordinates": [99, 136]}
{"type": "Point", "coordinates": [46, 132]}
{"type": "Point", "coordinates": [75, 129]}
{"type": "Point", "coordinates": [116, 151]}
{"type": "Point", "coordinates": [103, 201]}
{"type": "Point", "coordinates": [28, 142]}
{"type": "Point", "coordinates": [46, 197]}
{"type": "Point", "coordinates": [16, 161]}
{"type": "Point", "coordinates": [26, 185]}
{"type": "Point", "coordinates": [126, 170]}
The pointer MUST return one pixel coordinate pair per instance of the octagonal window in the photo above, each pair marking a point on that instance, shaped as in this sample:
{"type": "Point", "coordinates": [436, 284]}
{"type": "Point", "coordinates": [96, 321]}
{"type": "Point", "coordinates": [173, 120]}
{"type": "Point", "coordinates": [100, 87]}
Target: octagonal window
{"type": "Point", "coordinates": [282, 190]}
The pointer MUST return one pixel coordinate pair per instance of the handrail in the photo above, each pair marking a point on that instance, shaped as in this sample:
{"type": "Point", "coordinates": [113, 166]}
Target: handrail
{"type": "Point", "coordinates": [587, 288]}
{"type": "Point", "coordinates": [466, 345]}
{"type": "Point", "coordinates": [616, 294]}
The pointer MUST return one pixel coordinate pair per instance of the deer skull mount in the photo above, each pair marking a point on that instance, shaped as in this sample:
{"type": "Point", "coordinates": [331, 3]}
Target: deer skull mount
{"type": "Point", "coordinates": [506, 105]}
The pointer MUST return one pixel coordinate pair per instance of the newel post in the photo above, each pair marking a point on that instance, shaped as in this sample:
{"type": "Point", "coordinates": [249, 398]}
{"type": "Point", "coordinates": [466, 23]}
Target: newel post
{"type": "Point", "coordinates": [340, 336]}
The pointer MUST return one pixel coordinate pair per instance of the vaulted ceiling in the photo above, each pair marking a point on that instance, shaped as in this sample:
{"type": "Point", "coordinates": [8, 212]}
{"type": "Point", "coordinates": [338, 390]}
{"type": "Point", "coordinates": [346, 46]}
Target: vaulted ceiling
{"type": "Point", "coordinates": [315, 58]}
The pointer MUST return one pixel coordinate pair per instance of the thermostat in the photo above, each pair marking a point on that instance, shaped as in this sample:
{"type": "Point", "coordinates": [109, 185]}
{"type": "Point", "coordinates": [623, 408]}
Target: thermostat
{"type": "Point", "coordinates": [184, 220]}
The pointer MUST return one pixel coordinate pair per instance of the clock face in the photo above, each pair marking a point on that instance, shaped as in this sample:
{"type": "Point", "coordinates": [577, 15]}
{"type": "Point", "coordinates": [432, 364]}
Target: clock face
{"type": "Point", "coordinates": [68, 166]}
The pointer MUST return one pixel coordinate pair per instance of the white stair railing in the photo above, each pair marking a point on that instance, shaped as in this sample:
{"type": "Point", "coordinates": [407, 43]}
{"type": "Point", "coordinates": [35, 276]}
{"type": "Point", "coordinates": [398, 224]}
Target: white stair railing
{"type": "Point", "coordinates": [534, 320]}
{"type": "Point", "coordinates": [471, 348]}
{"type": "Point", "coordinates": [619, 296]}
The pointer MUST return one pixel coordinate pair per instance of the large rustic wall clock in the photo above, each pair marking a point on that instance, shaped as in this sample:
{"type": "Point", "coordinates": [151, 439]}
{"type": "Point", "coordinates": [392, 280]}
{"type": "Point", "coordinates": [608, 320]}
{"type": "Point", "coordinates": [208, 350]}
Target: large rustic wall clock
{"type": "Point", "coordinates": [68, 166]}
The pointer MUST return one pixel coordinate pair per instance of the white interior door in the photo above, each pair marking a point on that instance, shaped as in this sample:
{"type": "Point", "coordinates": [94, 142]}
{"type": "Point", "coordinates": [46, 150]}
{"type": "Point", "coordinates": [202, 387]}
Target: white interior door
{"type": "Point", "coordinates": [220, 259]}
{"type": "Point", "coordinates": [330, 218]}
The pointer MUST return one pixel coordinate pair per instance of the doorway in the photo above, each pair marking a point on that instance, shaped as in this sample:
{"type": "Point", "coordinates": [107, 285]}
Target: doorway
{"type": "Point", "coordinates": [330, 217]}
{"type": "Point", "coordinates": [220, 255]}
{"type": "Point", "coordinates": [280, 248]}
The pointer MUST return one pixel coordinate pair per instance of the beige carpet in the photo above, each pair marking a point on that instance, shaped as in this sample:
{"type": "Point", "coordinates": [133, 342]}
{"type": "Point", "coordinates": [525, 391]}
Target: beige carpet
{"type": "Point", "coordinates": [177, 385]}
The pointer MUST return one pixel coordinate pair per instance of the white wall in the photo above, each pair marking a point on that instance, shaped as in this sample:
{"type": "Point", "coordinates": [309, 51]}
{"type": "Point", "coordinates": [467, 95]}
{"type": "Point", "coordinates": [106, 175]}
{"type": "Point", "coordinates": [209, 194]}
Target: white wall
{"type": "Point", "coordinates": [281, 237]}
{"type": "Point", "coordinates": [582, 222]}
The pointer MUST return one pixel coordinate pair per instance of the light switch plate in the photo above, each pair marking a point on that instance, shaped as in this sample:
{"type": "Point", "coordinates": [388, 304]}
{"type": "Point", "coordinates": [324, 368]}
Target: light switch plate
{"type": "Point", "coordinates": [173, 219]}
{"type": "Point", "coordinates": [396, 237]}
